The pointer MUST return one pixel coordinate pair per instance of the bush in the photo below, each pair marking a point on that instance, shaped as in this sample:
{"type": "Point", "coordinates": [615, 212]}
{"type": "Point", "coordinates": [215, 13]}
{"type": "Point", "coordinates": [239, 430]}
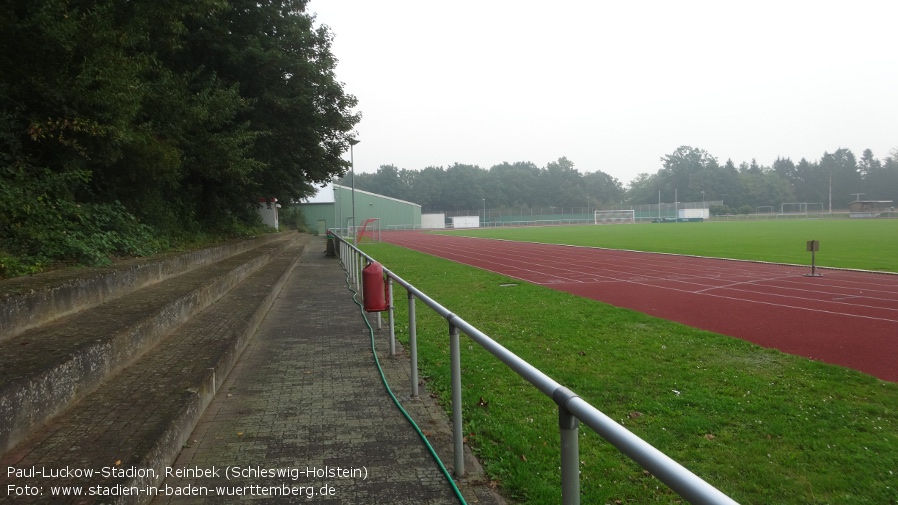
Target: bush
{"type": "Point", "coordinates": [720, 210]}
{"type": "Point", "coordinates": [291, 217]}
{"type": "Point", "coordinates": [41, 225]}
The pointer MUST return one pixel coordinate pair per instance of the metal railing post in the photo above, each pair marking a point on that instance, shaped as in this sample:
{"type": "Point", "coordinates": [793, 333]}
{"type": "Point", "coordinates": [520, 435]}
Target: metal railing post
{"type": "Point", "coordinates": [413, 342]}
{"type": "Point", "coordinates": [392, 321]}
{"type": "Point", "coordinates": [570, 447]}
{"type": "Point", "coordinates": [351, 265]}
{"type": "Point", "coordinates": [359, 265]}
{"type": "Point", "coordinates": [355, 270]}
{"type": "Point", "coordinates": [568, 426]}
{"type": "Point", "coordinates": [457, 433]}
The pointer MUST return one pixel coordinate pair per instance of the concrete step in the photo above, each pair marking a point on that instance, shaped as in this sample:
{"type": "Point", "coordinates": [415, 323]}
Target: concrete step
{"type": "Point", "coordinates": [46, 368]}
{"type": "Point", "coordinates": [30, 301]}
{"type": "Point", "coordinates": [135, 423]}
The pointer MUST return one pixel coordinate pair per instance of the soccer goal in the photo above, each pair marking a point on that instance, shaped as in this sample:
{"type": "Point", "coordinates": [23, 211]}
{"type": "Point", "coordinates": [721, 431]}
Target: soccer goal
{"type": "Point", "coordinates": [615, 217]}
{"type": "Point", "coordinates": [794, 208]}
{"type": "Point", "coordinates": [370, 230]}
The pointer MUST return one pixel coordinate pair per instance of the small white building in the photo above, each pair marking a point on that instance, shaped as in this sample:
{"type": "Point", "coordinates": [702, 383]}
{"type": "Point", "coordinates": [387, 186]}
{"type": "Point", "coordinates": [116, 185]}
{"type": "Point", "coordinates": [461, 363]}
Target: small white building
{"type": "Point", "coordinates": [466, 222]}
{"type": "Point", "coordinates": [268, 209]}
{"type": "Point", "coordinates": [694, 213]}
{"type": "Point", "coordinates": [433, 221]}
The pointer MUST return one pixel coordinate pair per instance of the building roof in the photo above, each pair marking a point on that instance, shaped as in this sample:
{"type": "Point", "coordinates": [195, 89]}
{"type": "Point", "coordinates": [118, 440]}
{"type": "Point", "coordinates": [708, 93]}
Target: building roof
{"type": "Point", "coordinates": [377, 195]}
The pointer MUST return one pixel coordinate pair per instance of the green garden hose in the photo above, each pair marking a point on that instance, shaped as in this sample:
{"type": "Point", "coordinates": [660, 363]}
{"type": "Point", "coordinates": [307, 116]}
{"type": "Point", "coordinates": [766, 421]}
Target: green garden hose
{"type": "Point", "coordinates": [411, 421]}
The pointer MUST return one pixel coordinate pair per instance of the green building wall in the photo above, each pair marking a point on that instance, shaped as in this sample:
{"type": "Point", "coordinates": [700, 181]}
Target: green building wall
{"type": "Point", "coordinates": [393, 213]}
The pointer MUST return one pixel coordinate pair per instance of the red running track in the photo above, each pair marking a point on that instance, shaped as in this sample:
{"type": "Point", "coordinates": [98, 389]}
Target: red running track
{"type": "Point", "coordinates": [847, 318]}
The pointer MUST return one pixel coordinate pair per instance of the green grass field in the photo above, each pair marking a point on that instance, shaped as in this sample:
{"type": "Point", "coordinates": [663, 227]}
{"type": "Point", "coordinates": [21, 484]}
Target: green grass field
{"type": "Point", "coordinates": [863, 244]}
{"type": "Point", "coordinates": [762, 426]}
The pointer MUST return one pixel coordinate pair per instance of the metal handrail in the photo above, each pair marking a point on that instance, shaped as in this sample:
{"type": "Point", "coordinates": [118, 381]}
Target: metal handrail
{"type": "Point", "coordinates": [571, 408]}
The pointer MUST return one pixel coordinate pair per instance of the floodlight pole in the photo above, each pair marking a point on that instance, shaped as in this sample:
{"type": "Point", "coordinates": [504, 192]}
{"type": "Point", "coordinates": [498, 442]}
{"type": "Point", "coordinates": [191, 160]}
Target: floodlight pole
{"type": "Point", "coordinates": [830, 192]}
{"type": "Point", "coordinates": [352, 142]}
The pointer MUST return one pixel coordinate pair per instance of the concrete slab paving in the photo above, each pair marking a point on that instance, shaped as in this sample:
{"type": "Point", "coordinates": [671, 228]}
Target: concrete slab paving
{"type": "Point", "coordinates": [304, 418]}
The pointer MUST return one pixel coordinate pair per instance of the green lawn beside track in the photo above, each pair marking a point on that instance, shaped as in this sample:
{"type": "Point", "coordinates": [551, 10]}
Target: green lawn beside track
{"type": "Point", "coordinates": [868, 244]}
{"type": "Point", "coordinates": [762, 426]}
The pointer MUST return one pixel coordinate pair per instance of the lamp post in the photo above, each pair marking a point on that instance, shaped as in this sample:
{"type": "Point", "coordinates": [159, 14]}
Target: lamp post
{"type": "Point", "coordinates": [352, 142]}
{"type": "Point", "coordinates": [484, 212]}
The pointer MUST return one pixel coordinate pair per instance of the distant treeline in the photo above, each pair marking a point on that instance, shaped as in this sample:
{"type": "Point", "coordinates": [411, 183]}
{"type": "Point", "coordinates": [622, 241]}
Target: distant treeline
{"type": "Point", "coordinates": [688, 174]}
{"type": "Point", "coordinates": [130, 126]}
{"type": "Point", "coordinates": [509, 185]}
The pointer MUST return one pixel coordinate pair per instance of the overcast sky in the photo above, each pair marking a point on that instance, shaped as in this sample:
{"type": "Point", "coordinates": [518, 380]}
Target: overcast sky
{"type": "Point", "coordinates": [614, 86]}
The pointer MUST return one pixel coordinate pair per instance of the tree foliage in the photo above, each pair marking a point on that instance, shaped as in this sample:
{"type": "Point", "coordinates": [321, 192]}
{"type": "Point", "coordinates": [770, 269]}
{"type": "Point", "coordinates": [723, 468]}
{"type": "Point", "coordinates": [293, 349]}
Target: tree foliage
{"type": "Point", "coordinates": [688, 174]}
{"type": "Point", "coordinates": [697, 176]}
{"type": "Point", "coordinates": [507, 186]}
{"type": "Point", "coordinates": [132, 124]}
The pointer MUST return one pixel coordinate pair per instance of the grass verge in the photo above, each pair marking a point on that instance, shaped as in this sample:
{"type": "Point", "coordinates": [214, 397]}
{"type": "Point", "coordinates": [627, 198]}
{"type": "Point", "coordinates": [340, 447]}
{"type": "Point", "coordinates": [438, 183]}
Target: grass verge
{"type": "Point", "coordinates": [762, 426]}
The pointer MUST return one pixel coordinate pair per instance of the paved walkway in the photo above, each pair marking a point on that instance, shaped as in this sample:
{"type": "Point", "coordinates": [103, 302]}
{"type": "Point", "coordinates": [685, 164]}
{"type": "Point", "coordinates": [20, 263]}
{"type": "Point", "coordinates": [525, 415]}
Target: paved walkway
{"type": "Point", "coordinates": [304, 411]}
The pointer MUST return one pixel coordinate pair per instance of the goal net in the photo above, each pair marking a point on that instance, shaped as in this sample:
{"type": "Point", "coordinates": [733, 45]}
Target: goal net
{"type": "Point", "coordinates": [368, 230]}
{"type": "Point", "coordinates": [615, 217]}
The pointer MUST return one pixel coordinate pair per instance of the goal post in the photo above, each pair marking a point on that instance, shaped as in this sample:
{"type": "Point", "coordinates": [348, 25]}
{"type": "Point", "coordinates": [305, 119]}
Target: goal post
{"type": "Point", "coordinates": [794, 208]}
{"type": "Point", "coordinates": [814, 208]}
{"type": "Point", "coordinates": [615, 217]}
{"type": "Point", "coordinates": [368, 230]}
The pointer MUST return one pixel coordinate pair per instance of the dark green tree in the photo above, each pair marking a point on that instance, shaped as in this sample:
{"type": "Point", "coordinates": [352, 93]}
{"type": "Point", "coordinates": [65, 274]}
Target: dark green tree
{"type": "Point", "coordinates": [868, 164]}
{"type": "Point", "coordinates": [603, 190]}
{"type": "Point", "coordinates": [644, 189]}
{"type": "Point", "coordinates": [513, 185]}
{"type": "Point", "coordinates": [882, 179]}
{"type": "Point", "coordinates": [122, 120]}
{"type": "Point", "coordinates": [841, 166]}
{"type": "Point", "coordinates": [283, 69]}
{"type": "Point", "coordinates": [686, 171]}
{"type": "Point", "coordinates": [427, 189]}
{"type": "Point", "coordinates": [811, 183]}
{"type": "Point", "coordinates": [464, 187]}
{"type": "Point", "coordinates": [785, 168]}
{"type": "Point", "coordinates": [561, 185]}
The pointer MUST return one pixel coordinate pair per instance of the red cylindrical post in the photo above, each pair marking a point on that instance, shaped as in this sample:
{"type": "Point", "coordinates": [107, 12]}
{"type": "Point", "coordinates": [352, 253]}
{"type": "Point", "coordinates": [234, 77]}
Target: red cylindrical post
{"type": "Point", "coordinates": [374, 288]}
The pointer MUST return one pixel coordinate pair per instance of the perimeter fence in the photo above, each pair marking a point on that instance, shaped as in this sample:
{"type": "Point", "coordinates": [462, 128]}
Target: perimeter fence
{"type": "Point", "coordinates": [572, 410]}
{"type": "Point", "coordinates": [542, 216]}
{"type": "Point", "coordinates": [533, 216]}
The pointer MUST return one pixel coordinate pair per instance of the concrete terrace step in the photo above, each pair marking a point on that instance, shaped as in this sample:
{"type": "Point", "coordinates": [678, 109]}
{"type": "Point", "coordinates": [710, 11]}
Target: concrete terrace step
{"type": "Point", "coordinates": [140, 418]}
{"type": "Point", "coordinates": [44, 369]}
{"type": "Point", "coordinates": [28, 302]}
